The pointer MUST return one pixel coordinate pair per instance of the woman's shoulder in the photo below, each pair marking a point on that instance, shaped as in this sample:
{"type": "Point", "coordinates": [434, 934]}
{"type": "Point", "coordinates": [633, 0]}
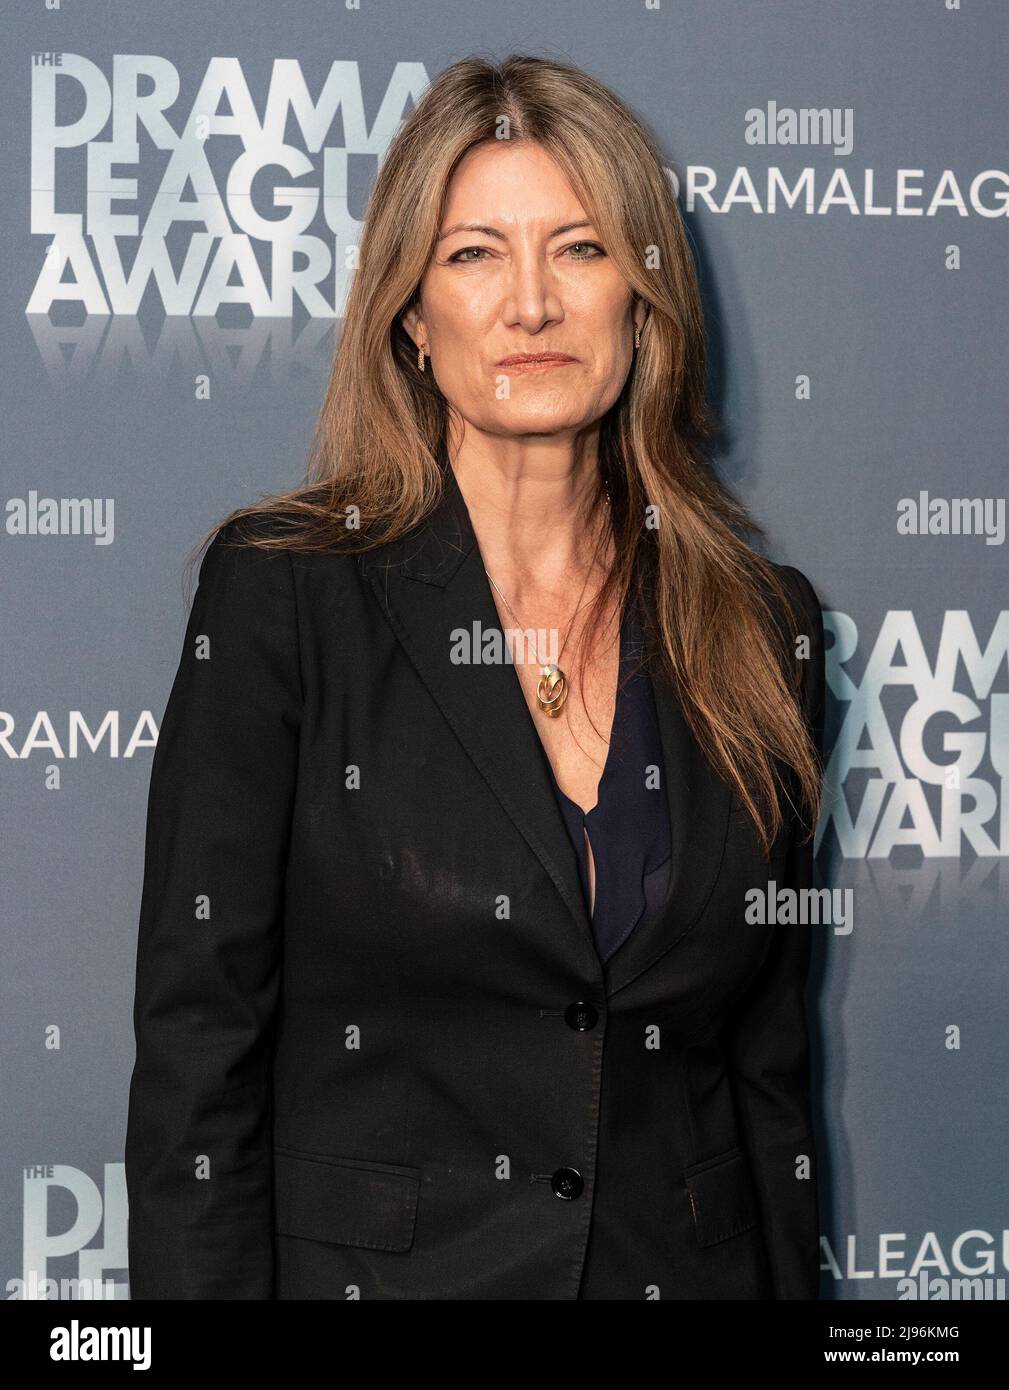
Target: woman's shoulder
{"type": "Point", "coordinates": [242, 551]}
{"type": "Point", "coordinates": [801, 595]}
{"type": "Point", "coordinates": [799, 583]}
{"type": "Point", "coordinates": [267, 539]}
{"type": "Point", "coordinates": [255, 576]}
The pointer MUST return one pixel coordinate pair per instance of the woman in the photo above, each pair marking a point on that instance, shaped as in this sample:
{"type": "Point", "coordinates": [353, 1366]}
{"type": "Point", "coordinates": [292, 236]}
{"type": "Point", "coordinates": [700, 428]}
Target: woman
{"type": "Point", "coordinates": [446, 986]}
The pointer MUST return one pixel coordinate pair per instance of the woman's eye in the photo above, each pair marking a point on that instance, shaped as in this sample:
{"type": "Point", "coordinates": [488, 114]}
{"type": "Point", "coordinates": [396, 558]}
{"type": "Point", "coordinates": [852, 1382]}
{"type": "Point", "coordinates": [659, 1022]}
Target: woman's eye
{"type": "Point", "coordinates": [581, 251]}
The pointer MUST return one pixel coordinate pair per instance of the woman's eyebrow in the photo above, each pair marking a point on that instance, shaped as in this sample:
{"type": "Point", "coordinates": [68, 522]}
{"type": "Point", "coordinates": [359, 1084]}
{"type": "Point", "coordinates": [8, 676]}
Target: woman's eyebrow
{"type": "Point", "coordinates": [493, 231]}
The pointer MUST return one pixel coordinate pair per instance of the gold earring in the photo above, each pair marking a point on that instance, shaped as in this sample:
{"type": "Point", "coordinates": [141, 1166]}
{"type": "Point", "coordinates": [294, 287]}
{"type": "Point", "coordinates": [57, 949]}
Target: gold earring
{"type": "Point", "coordinates": [637, 336]}
{"type": "Point", "coordinates": [420, 357]}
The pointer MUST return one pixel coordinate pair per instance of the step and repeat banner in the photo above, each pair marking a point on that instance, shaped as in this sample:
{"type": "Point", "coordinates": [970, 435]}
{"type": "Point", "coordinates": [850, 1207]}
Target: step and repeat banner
{"type": "Point", "coordinates": [172, 294]}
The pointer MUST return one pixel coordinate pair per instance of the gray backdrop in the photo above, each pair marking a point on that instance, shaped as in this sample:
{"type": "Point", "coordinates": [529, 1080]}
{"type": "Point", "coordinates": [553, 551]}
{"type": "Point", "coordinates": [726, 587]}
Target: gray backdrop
{"type": "Point", "coordinates": [858, 364]}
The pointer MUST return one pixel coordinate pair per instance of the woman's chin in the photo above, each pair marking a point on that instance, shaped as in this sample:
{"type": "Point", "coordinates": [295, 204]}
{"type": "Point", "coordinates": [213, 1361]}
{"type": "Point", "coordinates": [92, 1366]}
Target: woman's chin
{"type": "Point", "coordinates": [528, 419]}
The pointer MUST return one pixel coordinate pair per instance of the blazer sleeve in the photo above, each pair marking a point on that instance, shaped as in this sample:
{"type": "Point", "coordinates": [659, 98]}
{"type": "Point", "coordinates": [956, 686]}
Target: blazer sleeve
{"type": "Point", "coordinates": [199, 1130]}
{"type": "Point", "coordinates": [769, 1047]}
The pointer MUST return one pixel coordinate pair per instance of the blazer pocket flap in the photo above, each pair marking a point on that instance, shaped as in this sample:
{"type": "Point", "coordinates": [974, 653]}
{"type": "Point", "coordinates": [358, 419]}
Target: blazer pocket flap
{"type": "Point", "coordinates": [345, 1201]}
{"type": "Point", "coordinates": [723, 1200]}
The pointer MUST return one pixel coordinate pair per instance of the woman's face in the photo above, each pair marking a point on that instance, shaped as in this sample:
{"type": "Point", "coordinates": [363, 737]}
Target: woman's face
{"type": "Point", "coordinates": [518, 270]}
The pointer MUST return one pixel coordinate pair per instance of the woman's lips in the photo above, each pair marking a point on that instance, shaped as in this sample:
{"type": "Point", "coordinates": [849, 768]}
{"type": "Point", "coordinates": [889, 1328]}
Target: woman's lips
{"type": "Point", "coordinates": [531, 362]}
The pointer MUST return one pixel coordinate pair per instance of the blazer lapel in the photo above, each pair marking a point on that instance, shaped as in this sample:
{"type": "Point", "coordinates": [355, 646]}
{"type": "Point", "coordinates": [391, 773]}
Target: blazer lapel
{"type": "Point", "coordinates": [699, 805]}
{"type": "Point", "coordinates": [432, 584]}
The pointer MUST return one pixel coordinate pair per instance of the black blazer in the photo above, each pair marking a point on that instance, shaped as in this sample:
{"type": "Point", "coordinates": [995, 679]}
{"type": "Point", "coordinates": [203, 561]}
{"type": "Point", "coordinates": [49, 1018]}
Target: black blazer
{"type": "Point", "coordinates": [377, 1053]}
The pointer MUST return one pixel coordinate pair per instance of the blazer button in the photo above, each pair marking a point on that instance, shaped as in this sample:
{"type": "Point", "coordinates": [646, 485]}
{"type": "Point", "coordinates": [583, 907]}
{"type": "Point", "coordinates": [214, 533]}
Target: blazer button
{"type": "Point", "coordinates": [581, 1016]}
{"type": "Point", "coordinates": [567, 1184]}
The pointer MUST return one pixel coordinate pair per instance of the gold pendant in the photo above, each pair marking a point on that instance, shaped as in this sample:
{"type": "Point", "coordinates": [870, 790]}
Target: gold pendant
{"type": "Point", "coordinates": [552, 691]}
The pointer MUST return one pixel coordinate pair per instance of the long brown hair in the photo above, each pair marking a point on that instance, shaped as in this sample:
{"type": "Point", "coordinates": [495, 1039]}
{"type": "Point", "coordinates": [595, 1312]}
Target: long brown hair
{"type": "Point", "coordinates": [714, 604]}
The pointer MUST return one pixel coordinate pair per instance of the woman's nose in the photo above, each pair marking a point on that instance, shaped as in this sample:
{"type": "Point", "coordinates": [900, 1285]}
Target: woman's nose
{"type": "Point", "coordinates": [532, 296]}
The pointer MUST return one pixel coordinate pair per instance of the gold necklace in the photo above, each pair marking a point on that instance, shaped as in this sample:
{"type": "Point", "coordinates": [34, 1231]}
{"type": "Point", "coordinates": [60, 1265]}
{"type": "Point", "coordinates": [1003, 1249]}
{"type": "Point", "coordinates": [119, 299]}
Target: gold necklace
{"type": "Point", "coordinates": [552, 686]}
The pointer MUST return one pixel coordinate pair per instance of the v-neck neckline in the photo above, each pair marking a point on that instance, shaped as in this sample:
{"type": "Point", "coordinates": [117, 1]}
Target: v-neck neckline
{"type": "Point", "coordinates": [614, 729]}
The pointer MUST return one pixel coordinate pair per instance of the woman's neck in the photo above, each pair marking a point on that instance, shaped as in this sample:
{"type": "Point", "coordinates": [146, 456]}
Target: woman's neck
{"type": "Point", "coordinates": [529, 501]}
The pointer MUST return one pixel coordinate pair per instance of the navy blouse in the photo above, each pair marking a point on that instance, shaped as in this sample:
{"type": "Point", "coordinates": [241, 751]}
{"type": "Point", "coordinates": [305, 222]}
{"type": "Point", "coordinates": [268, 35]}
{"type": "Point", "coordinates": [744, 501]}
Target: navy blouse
{"type": "Point", "coordinates": [628, 828]}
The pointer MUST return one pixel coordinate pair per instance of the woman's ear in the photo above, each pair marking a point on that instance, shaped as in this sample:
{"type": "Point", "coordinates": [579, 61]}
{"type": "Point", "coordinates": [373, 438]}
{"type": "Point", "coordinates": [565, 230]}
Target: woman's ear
{"type": "Point", "coordinates": [414, 325]}
{"type": "Point", "coordinates": [640, 312]}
